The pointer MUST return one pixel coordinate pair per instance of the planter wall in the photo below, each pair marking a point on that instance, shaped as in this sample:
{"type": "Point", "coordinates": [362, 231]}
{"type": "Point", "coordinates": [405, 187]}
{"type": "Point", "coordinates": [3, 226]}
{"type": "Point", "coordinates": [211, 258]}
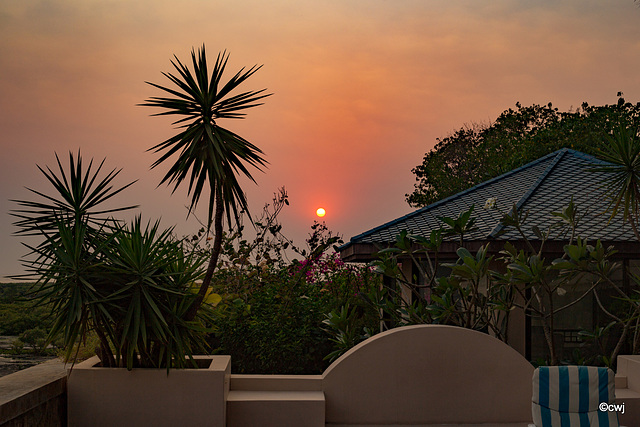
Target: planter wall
{"type": "Point", "coordinates": [117, 397]}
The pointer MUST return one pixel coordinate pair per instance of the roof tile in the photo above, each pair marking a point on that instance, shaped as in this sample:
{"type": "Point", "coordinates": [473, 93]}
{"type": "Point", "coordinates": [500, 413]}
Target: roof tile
{"type": "Point", "coordinates": [543, 186]}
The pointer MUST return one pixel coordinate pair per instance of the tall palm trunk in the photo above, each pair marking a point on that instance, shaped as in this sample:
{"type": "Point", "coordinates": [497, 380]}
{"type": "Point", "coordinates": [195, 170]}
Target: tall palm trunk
{"type": "Point", "coordinates": [210, 155]}
{"type": "Point", "coordinates": [213, 261]}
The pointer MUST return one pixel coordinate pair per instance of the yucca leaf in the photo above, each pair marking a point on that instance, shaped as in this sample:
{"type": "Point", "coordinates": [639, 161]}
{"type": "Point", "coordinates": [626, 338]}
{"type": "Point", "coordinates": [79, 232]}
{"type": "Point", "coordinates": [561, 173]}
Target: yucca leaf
{"type": "Point", "coordinates": [208, 156]}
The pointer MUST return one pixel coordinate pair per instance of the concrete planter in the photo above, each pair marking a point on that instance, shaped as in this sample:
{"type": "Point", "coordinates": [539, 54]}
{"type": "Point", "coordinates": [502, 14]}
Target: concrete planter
{"type": "Point", "coordinates": [117, 397]}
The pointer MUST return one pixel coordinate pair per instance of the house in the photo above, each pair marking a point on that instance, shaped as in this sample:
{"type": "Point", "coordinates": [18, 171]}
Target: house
{"type": "Point", "coordinates": [543, 186]}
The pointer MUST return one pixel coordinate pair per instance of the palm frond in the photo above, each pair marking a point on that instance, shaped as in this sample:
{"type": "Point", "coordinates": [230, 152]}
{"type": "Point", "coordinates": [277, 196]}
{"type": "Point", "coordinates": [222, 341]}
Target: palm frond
{"type": "Point", "coordinates": [622, 181]}
{"type": "Point", "coordinates": [75, 197]}
{"type": "Point", "coordinates": [205, 155]}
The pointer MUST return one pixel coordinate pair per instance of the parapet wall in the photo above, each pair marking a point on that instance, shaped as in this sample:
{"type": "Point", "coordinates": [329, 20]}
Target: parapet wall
{"type": "Point", "coordinates": [415, 375]}
{"type": "Point", "coordinates": [35, 396]}
{"type": "Point", "coordinates": [429, 374]}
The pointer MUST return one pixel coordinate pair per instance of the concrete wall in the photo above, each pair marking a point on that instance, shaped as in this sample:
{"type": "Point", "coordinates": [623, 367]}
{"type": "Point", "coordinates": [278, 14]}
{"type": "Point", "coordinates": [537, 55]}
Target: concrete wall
{"type": "Point", "coordinates": [429, 374]}
{"type": "Point", "coordinates": [415, 375]}
{"type": "Point", "coordinates": [34, 396]}
{"type": "Point", "coordinates": [106, 397]}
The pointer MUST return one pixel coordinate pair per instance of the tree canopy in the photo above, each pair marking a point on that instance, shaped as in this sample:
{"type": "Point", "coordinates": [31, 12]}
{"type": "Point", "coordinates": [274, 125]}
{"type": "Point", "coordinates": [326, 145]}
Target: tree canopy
{"type": "Point", "coordinates": [474, 154]}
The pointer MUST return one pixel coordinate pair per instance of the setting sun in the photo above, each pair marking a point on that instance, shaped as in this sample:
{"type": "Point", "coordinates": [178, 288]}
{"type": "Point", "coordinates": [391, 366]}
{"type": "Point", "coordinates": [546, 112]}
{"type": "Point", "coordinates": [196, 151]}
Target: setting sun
{"type": "Point", "coordinates": [321, 212]}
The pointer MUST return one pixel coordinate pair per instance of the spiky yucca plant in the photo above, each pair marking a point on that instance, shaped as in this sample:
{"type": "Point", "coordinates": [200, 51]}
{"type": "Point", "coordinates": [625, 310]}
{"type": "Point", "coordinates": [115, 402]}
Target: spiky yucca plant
{"type": "Point", "coordinates": [131, 285]}
{"type": "Point", "coordinates": [622, 182]}
{"type": "Point", "coordinates": [205, 154]}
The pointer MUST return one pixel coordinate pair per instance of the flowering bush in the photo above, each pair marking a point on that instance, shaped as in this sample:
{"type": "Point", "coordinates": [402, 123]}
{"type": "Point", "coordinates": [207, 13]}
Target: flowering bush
{"type": "Point", "coordinates": [271, 316]}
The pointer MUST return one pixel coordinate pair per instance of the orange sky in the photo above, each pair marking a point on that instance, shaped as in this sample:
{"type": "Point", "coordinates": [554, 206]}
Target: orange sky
{"type": "Point", "coordinates": [361, 88]}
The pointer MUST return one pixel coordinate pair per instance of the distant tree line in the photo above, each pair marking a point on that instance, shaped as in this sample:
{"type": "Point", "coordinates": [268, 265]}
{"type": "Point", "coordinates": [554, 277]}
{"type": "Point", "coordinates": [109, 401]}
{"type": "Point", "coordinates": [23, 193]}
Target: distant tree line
{"type": "Point", "coordinates": [18, 315]}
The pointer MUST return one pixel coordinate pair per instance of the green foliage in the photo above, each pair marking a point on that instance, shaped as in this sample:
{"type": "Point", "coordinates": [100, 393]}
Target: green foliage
{"type": "Point", "coordinates": [460, 226]}
{"type": "Point", "coordinates": [468, 296]}
{"type": "Point", "coordinates": [17, 346]}
{"type": "Point", "coordinates": [274, 329]}
{"type": "Point", "coordinates": [270, 319]}
{"type": "Point", "coordinates": [348, 327]}
{"type": "Point", "coordinates": [10, 292]}
{"type": "Point", "coordinates": [78, 195]}
{"type": "Point", "coordinates": [600, 337]}
{"type": "Point", "coordinates": [82, 350]}
{"type": "Point", "coordinates": [130, 284]}
{"type": "Point", "coordinates": [17, 314]}
{"type": "Point", "coordinates": [475, 295]}
{"type": "Point", "coordinates": [621, 308]}
{"type": "Point", "coordinates": [206, 152]}
{"type": "Point", "coordinates": [538, 281]}
{"type": "Point", "coordinates": [475, 154]}
{"type": "Point", "coordinates": [622, 152]}
{"type": "Point", "coordinates": [36, 339]}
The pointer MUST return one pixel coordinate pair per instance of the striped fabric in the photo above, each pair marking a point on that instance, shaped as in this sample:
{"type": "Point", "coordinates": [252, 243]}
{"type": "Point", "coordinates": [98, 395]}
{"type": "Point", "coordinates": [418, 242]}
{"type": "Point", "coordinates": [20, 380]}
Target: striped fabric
{"type": "Point", "coordinates": [569, 396]}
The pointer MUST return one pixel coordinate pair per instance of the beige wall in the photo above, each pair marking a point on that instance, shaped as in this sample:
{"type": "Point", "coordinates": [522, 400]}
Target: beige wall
{"type": "Point", "coordinates": [429, 374]}
{"type": "Point", "coordinates": [35, 396]}
{"type": "Point", "coordinates": [149, 397]}
{"type": "Point", "coordinates": [414, 375]}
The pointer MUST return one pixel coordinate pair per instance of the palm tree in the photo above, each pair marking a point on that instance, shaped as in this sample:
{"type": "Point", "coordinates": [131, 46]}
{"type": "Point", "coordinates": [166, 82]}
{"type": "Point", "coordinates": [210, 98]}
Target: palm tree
{"type": "Point", "coordinates": [204, 153]}
{"type": "Point", "coordinates": [622, 183]}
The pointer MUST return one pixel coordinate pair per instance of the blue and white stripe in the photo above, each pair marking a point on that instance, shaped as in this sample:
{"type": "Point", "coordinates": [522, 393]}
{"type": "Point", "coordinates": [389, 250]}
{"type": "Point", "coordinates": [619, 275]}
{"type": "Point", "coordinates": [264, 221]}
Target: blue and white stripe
{"type": "Point", "coordinates": [569, 396]}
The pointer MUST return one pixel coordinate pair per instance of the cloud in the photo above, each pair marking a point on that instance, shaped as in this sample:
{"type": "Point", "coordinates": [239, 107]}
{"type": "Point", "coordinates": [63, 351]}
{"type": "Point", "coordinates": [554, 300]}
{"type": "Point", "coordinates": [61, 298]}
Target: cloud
{"type": "Point", "coordinates": [362, 88]}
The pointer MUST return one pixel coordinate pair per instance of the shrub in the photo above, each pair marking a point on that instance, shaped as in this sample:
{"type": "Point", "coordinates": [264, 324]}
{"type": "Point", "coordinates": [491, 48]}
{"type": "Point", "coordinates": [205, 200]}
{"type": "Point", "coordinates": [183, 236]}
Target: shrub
{"type": "Point", "coordinates": [271, 316]}
{"type": "Point", "coordinates": [273, 322]}
{"type": "Point", "coordinates": [19, 316]}
{"type": "Point", "coordinates": [16, 346]}
{"type": "Point", "coordinates": [35, 338]}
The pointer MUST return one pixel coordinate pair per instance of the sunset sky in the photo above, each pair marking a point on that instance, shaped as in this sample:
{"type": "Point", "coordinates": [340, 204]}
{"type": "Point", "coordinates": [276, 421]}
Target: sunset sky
{"type": "Point", "coordinates": [361, 89]}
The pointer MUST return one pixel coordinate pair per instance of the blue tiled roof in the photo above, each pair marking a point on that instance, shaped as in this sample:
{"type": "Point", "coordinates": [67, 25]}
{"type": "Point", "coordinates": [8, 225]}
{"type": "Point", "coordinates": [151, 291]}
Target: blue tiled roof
{"type": "Point", "coordinates": [543, 186]}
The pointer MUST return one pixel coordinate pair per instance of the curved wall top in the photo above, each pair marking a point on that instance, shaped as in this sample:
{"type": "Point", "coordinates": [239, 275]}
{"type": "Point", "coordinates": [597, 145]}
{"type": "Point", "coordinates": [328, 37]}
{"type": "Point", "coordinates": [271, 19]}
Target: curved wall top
{"type": "Point", "coordinates": [429, 374]}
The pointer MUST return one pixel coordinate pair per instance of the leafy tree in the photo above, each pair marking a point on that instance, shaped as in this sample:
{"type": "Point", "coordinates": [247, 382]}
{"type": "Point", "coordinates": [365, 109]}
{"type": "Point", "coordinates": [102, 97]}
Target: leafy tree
{"type": "Point", "coordinates": [477, 153]}
{"type": "Point", "coordinates": [476, 295]}
{"type": "Point", "coordinates": [621, 151]}
{"type": "Point", "coordinates": [205, 153]}
{"type": "Point", "coordinates": [540, 281]}
{"type": "Point", "coordinates": [468, 297]}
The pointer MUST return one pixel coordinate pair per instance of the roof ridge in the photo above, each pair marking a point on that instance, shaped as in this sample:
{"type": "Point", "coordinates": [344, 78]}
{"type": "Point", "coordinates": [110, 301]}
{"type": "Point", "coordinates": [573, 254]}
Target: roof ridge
{"type": "Point", "coordinates": [457, 195]}
{"type": "Point", "coordinates": [559, 155]}
{"type": "Point", "coordinates": [585, 156]}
